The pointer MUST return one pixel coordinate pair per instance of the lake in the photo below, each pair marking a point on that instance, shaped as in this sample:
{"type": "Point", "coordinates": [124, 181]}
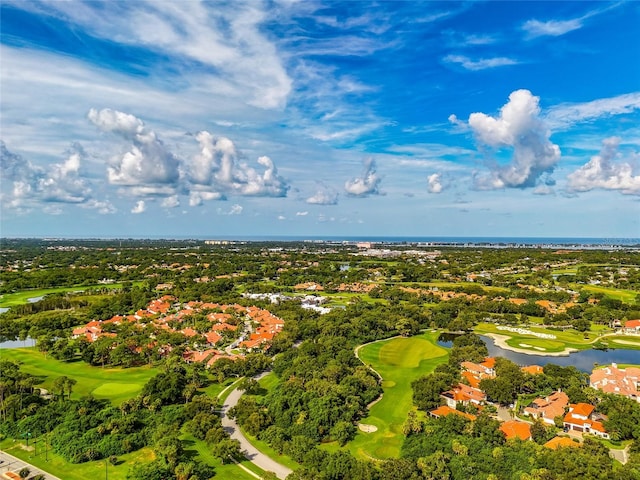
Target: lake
{"type": "Point", "coordinates": [29, 342]}
{"type": "Point", "coordinates": [583, 360]}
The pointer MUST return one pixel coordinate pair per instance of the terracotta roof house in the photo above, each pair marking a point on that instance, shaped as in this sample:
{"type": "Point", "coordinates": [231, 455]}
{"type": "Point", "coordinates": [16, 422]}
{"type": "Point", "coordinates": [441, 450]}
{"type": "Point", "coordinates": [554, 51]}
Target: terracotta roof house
{"type": "Point", "coordinates": [463, 394]}
{"type": "Point", "coordinates": [532, 369]}
{"type": "Point", "coordinates": [484, 369]}
{"type": "Point", "coordinates": [560, 442]}
{"type": "Point", "coordinates": [621, 381]}
{"type": "Point", "coordinates": [191, 356]}
{"type": "Point", "coordinates": [471, 378]}
{"type": "Point", "coordinates": [445, 410]}
{"type": "Point", "coordinates": [548, 408]}
{"type": "Point", "coordinates": [632, 326]}
{"type": "Point", "coordinates": [213, 337]}
{"type": "Point", "coordinates": [513, 429]}
{"type": "Point", "coordinates": [579, 419]}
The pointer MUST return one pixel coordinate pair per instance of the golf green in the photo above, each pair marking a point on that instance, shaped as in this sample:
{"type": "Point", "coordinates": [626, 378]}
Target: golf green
{"type": "Point", "coordinates": [399, 361]}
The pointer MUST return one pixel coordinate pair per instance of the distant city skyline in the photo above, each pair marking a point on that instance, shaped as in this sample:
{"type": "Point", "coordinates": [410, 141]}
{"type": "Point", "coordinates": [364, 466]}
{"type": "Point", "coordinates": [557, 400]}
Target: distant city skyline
{"type": "Point", "coordinates": [355, 119]}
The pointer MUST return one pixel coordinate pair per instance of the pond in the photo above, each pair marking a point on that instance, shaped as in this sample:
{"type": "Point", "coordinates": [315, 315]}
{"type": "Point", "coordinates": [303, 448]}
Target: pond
{"type": "Point", "coordinates": [583, 360]}
{"type": "Point", "coordinates": [28, 342]}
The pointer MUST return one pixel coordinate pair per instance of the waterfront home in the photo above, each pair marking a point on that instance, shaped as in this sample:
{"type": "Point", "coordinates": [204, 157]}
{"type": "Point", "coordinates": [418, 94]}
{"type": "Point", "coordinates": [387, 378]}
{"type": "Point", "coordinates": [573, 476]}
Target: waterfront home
{"type": "Point", "coordinates": [548, 408]}
{"type": "Point", "coordinates": [621, 381]}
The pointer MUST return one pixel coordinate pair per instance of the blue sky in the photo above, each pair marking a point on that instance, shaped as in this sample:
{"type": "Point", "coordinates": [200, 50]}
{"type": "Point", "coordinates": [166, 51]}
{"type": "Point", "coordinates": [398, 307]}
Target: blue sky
{"type": "Point", "coordinates": [205, 119]}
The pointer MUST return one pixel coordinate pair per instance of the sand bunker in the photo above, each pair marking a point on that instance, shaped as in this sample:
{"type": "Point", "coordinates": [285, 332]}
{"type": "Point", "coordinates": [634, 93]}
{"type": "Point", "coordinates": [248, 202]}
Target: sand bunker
{"type": "Point", "coordinates": [367, 428]}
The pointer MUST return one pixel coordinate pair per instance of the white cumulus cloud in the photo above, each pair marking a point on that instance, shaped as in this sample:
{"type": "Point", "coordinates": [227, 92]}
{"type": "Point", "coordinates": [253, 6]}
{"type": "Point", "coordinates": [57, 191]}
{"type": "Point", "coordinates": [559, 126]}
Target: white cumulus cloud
{"type": "Point", "coordinates": [25, 185]}
{"type": "Point", "coordinates": [324, 196]}
{"type": "Point", "coordinates": [219, 169]}
{"type": "Point", "coordinates": [519, 127]}
{"type": "Point", "coordinates": [603, 172]}
{"type": "Point", "coordinates": [434, 184]}
{"type": "Point", "coordinates": [234, 210]}
{"type": "Point", "coordinates": [170, 202]}
{"type": "Point", "coordinates": [367, 183]}
{"type": "Point", "coordinates": [149, 163]}
{"type": "Point", "coordinates": [139, 207]}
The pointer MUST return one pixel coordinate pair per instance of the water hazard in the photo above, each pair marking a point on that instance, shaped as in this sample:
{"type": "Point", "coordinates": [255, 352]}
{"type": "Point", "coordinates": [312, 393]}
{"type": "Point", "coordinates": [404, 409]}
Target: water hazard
{"type": "Point", "coordinates": [583, 360]}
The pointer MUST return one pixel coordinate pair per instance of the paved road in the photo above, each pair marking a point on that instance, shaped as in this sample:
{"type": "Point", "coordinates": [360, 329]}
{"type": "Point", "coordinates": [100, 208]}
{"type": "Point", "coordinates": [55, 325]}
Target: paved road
{"type": "Point", "coordinates": [260, 459]}
{"type": "Point", "coordinates": [9, 463]}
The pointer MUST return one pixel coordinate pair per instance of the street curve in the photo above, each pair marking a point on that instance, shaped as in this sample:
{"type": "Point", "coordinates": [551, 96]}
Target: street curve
{"type": "Point", "coordinates": [253, 454]}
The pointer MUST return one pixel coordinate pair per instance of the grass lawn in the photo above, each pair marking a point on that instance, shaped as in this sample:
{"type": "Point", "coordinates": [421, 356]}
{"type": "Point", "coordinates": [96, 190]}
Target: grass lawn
{"type": "Point", "coordinates": [564, 339]}
{"type": "Point", "coordinates": [399, 361]}
{"type": "Point", "coordinates": [19, 298]}
{"type": "Point", "coordinates": [59, 467]}
{"type": "Point", "coordinates": [115, 384]}
{"type": "Point", "coordinates": [622, 341]}
{"type": "Point", "coordinates": [199, 450]}
{"type": "Point", "coordinates": [626, 296]}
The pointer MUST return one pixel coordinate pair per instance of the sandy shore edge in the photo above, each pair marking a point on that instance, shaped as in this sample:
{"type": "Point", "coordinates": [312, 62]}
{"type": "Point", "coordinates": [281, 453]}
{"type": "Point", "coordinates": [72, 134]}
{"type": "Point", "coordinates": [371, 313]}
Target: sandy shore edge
{"type": "Point", "coordinates": [501, 341]}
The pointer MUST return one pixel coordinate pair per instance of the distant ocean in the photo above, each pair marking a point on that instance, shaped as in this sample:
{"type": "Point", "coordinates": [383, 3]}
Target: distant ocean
{"type": "Point", "coordinates": [441, 240]}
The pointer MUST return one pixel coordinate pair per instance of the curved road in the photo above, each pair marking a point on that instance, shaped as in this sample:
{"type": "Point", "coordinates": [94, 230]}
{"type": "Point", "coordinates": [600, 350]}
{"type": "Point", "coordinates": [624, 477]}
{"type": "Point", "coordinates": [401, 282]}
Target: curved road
{"type": "Point", "coordinates": [253, 454]}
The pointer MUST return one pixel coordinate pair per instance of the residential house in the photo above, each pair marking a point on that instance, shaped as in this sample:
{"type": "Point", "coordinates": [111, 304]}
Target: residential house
{"type": "Point", "coordinates": [513, 429]}
{"type": "Point", "coordinates": [532, 369]}
{"type": "Point", "coordinates": [445, 410]}
{"type": "Point", "coordinates": [579, 419]}
{"type": "Point", "coordinates": [465, 395]}
{"type": "Point", "coordinates": [632, 327]}
{"type": "Point", "coordinates": [621, 381]}
{"type": "Point", "coordinates": [561, 442]}
{"type": "Point", "coordinates": [548, 408]}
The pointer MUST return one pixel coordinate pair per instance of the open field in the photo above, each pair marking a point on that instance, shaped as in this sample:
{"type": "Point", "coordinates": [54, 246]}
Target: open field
{"type": "Point", "coordinates": [83, 471]}
{"type": "Point", "coordinates": [59, 467]}
{"type": "Point", "coordinates": [19, 298]}
{"type": "Point", "coordinates": [115, 384]}
{"type": "Point", "coordinates": [626, 296]}
{"type": "Point", "coordinates": [399, 361]}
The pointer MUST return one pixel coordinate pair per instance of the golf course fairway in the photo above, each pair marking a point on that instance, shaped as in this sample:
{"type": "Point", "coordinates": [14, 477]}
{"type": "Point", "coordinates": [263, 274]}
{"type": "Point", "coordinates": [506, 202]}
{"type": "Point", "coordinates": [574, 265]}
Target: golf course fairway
{"type": "Point", "coordinates": [399, 361]}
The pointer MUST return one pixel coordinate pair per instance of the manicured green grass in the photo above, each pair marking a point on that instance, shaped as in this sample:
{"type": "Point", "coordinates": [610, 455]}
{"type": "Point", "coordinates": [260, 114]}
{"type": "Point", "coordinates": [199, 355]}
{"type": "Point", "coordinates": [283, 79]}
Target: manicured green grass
{"type": "Point", "coordinates": [626, 296]}
{"type": "Point", "coordinates": [564, 339]}
{"type": "Point", "coordinates": [399, 361]}
{"type": "Point", "coordinates": [115, 384]}
{"type": "Point", "coordinates": [199, 450]}
{"type": "Point", "coordinates": [270, 452]}
{"type": "Point", "coordinates": [622, 341]}
{"type": "Point", "coordinates": [453, 285]}
{"type": "Point", "coordinates": [59, 467]}
{"type": "Point", "coordinates": [19, 298]}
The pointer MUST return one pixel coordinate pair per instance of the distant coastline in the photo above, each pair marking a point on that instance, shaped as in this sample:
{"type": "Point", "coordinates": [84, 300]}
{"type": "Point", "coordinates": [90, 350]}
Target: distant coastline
{"type": "Point", "coordinates": [423, 241]}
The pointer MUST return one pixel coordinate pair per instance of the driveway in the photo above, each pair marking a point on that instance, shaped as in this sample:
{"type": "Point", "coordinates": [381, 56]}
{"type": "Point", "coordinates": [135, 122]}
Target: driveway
{"type": "Point", "coordinates": [9, 463]}
{"type": "Point", "coordinates": [256, 457]}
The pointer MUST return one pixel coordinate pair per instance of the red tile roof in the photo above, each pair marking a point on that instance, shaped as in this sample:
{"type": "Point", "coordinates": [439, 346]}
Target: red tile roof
{"type": "Point", "coordinates": [514, 429]}
{"type": "Point", "coordinates": [445, 410]}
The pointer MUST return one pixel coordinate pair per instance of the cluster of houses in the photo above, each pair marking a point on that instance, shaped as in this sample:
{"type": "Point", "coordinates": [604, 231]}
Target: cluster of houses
{"type": "Point", "coordinates": [251, 328]}
{"type": "Point", "coordinates": [576, 418]}
{"type": "Point", "coordinates": [621, 381]}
